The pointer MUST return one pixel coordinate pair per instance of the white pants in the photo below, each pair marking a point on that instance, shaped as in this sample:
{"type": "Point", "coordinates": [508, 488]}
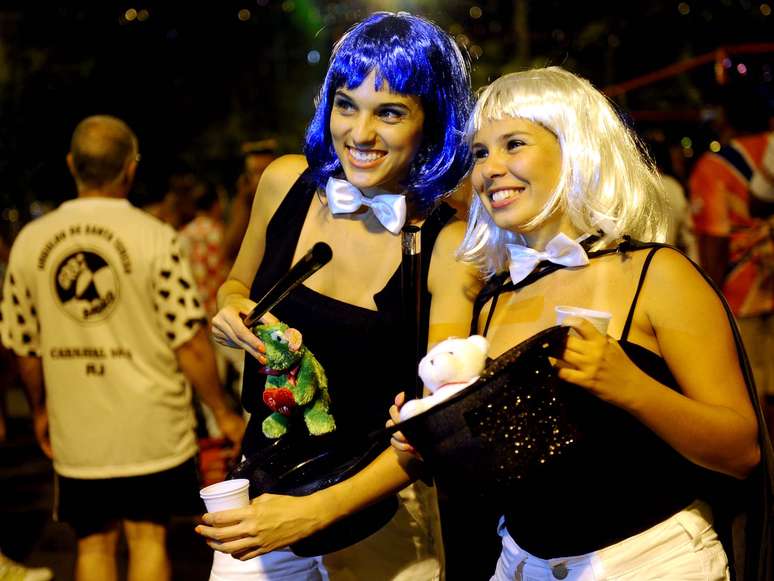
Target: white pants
{"type": "Point", "coordinates": [407, 548]}
{"type": "Point", "coordinates": [279, 565]}
{"type": "Point", "coordinates": [684, 547]}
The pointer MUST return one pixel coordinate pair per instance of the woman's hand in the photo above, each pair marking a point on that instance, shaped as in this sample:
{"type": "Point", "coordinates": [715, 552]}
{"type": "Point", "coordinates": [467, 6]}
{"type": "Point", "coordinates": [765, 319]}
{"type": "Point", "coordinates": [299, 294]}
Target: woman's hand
{"type": "Point", "coordinates": [398, 440]}
{"type": "Point", "coordinates": [598, 363]}
{"type": "Point", "coordinates": [270, 522]}
{"type": "Point", "coordinates": [228, 327]}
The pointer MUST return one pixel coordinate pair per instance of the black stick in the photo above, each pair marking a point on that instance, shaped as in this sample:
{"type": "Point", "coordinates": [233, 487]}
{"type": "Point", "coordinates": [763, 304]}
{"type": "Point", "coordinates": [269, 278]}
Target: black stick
{"type": "Point", "coordinates": [311, 262]}
{"type": "Point", "coordinates": [411, 293]}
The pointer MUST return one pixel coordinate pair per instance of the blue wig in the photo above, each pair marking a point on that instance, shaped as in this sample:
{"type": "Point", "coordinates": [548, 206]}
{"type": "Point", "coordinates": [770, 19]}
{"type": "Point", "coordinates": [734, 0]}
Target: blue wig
{"type": "Point", "coordinates": [416, 58]}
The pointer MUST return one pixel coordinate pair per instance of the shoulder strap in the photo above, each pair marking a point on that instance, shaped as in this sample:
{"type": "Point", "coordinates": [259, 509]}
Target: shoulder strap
{"type": "Point", "coordinates": [630, 316]}
{"type": "Point", "coordinates": [491, 290]}
{"type": "Point", "coordinates": [282, 234]}
{"type": "Point", "coordinates": [499, 283]}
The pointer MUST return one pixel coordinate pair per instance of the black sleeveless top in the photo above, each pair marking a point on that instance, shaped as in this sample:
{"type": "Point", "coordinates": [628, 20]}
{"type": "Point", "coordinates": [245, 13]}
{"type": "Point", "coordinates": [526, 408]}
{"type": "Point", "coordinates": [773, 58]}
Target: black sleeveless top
{"type": "Point", "coordinates": [619, 479]}
{"type": "Point", "coordinates": [355, 345]}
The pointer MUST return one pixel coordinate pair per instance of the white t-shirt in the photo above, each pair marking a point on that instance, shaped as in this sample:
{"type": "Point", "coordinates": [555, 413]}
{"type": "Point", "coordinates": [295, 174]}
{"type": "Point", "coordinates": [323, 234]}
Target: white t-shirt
{"type": "Point", "coordinates": [100, 290]}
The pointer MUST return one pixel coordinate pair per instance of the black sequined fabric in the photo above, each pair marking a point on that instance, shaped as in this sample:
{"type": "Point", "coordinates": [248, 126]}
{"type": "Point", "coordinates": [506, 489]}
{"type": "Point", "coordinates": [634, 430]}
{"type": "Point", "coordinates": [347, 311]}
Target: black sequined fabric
{"type": "Point", "coordinates": [516, 417]}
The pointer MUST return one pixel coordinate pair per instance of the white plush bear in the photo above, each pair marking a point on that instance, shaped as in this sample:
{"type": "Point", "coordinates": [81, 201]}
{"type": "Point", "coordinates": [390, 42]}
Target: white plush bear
{"type": "Point", "coordinates": [449, 367]}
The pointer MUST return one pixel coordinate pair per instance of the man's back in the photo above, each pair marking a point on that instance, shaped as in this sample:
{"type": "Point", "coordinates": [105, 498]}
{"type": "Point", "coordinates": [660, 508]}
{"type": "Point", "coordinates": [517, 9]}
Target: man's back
{"type": "Point", "coordinates": [98, 289]}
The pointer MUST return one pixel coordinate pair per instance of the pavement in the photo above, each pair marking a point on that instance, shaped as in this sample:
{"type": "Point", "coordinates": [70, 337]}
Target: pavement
{"type": "Point", "coordinates": [30, 535]}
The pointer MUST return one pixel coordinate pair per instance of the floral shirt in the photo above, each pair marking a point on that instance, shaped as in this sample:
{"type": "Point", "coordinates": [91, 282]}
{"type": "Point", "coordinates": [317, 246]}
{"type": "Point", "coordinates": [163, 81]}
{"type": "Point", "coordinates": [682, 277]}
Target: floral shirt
{"type": "Point", "coordinates": [720, 207]}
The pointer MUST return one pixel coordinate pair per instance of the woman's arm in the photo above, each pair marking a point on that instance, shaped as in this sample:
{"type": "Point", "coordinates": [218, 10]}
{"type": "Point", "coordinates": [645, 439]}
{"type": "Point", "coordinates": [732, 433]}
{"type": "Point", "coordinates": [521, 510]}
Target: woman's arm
{"type": "Point", "coordinates": [274, 521]}
{"type": "Point", "coordinates": [233, 295]}
{"type": "Point", "coordinates": [453, 286]}
{"type": "Point", "coordinates": [712, 422]}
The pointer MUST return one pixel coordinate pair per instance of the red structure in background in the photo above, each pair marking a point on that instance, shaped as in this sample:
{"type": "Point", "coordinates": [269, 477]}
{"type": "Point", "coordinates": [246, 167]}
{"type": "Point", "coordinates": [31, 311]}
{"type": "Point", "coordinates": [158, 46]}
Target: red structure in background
{"type": "Point", "coordinates": [718, 56]}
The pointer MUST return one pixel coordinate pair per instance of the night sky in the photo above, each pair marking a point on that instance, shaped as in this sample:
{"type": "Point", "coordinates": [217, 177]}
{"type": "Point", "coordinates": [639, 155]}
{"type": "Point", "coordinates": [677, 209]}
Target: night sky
{"type": "Point", "coordinates": [194, 80]}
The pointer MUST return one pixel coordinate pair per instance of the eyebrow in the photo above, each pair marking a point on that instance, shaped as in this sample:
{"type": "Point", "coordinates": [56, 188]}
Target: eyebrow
{"type": "Point", "coordinates": [340, 93]}
{"type": "Point", "coordinates": [505, 137]}
{"type": "Point", "coordinates": [514, 134]}
{"type": "Point", "coordinates": [407, 107]}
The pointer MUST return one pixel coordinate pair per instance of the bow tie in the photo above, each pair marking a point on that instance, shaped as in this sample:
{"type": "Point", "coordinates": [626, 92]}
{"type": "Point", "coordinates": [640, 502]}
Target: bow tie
{"type": "Point", "coordinates": [560, 250]}
{"type": "Point", "coordinates": [344, 198]}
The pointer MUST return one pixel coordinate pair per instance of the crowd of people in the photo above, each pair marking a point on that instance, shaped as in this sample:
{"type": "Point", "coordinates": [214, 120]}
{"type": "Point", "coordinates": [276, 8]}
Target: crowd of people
{"type": "Point", "coordinates": [107, 310]}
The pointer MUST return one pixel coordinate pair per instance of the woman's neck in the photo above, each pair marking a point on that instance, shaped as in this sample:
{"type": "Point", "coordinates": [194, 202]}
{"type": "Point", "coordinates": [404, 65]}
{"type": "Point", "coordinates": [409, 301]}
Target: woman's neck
{"type": "Point", "coordinates": [548, 230]}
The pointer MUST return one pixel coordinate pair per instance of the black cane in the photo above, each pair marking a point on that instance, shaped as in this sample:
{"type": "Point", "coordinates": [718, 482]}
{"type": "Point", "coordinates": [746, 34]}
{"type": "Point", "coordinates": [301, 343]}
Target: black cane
{"type": "Point", "coordinates": [311, 262]}
{"type": "Point", "coordinates": [411, 292]}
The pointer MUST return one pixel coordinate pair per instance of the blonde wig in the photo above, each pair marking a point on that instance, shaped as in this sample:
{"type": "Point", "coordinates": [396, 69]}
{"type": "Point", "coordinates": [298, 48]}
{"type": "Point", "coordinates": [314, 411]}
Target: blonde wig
{"type": "Point", "coordinates": [607, 184]}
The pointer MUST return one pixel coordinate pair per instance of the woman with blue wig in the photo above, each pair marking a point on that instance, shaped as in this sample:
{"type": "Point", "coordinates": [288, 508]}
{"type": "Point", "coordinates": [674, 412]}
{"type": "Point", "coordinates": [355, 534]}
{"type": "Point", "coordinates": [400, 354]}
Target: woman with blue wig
{"type": "Point", "coordinates": [387, 133]}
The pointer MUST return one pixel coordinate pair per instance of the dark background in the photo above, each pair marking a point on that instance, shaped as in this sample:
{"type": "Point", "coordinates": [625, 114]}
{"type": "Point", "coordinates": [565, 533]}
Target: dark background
{"type": "Point", "coordinates": [197, 79]}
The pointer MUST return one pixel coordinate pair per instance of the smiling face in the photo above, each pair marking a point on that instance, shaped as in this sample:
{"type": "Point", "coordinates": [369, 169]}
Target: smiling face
{"type": "Point", "coordinates": [376, 134]}
{"type": "Point", "coordinates": [517, 169]}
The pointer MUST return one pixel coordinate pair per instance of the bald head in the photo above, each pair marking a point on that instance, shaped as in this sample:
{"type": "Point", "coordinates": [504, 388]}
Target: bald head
{"type": "Point", "coordinates": [103, 151]}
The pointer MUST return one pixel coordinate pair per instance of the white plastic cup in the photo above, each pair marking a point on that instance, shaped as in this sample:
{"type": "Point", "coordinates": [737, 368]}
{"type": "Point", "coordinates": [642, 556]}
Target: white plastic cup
{"type": "Point", "coordinates": [226, 495]}
{"type": "Point", "coordinates": [600, 319]}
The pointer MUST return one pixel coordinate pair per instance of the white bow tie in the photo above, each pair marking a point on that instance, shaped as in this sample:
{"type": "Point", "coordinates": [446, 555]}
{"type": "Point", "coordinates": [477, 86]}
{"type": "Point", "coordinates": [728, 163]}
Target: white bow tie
{"type": "Point", "coordinates": [560, 250]}
{"type": "Point", "coordinates": [344, 198]}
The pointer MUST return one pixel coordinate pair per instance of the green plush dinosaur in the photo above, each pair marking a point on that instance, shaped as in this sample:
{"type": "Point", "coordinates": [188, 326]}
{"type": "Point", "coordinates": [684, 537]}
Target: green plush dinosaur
{"type": "Point", "coordinates": [296, 382]}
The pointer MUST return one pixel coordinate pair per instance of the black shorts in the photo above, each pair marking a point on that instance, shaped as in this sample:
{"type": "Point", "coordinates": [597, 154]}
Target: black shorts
{"type": "Point", "coordinates": [92, 506]}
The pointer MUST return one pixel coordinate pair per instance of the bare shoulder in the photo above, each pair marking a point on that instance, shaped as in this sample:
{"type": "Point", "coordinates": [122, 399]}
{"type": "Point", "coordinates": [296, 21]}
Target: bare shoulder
{"type": "Point", "coordinates": [675, 289]}
{"type": "Point", "coordinates": [281, 174]}
{"type": "Point", "coordinates": [276, 181]}
{"type": "Point", "coordinates": [449, 238]}
{"type": "Point", "coordinates": [670, 267]}
{"type": "Point", "coordinates": [446, 271]}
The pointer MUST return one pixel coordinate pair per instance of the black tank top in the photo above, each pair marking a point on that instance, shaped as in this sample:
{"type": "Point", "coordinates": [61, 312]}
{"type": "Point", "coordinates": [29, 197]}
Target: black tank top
{"type": "Point", "coordinates": [619, 480]}
{"type": "Point", "coordinates": [355, 345]}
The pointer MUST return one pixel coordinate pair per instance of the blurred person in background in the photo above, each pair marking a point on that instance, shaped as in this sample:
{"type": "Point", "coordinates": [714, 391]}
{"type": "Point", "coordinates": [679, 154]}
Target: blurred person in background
{"type": "Point", "coordinates": [202, 241]}
{"type": "Point", "coordinates": [10, 570]}
{"type": "Point", "coordinates": [735, 227]}
{"type": "Point", "coordinates": [256, 157]}
{"type": "Point", "coordinates": [680, 229]}
{"type": "Point", "coordinates": [100, 308]}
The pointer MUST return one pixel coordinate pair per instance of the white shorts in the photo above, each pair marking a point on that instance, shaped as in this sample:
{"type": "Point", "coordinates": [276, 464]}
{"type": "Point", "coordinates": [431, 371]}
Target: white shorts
{"type": "Point", "coordinates": [684, 547]}
{"type": "Point", "coordinates": [407, 548]}
{"type": "Point", "coordinates": [279, 565]}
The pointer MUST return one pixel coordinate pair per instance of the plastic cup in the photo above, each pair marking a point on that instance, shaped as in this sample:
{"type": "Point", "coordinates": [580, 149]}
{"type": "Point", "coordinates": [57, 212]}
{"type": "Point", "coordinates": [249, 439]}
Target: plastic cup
{"type": "Point", "coordinates": [226, 495]}
{"type": "Point", "coordinates": [600, 319]}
